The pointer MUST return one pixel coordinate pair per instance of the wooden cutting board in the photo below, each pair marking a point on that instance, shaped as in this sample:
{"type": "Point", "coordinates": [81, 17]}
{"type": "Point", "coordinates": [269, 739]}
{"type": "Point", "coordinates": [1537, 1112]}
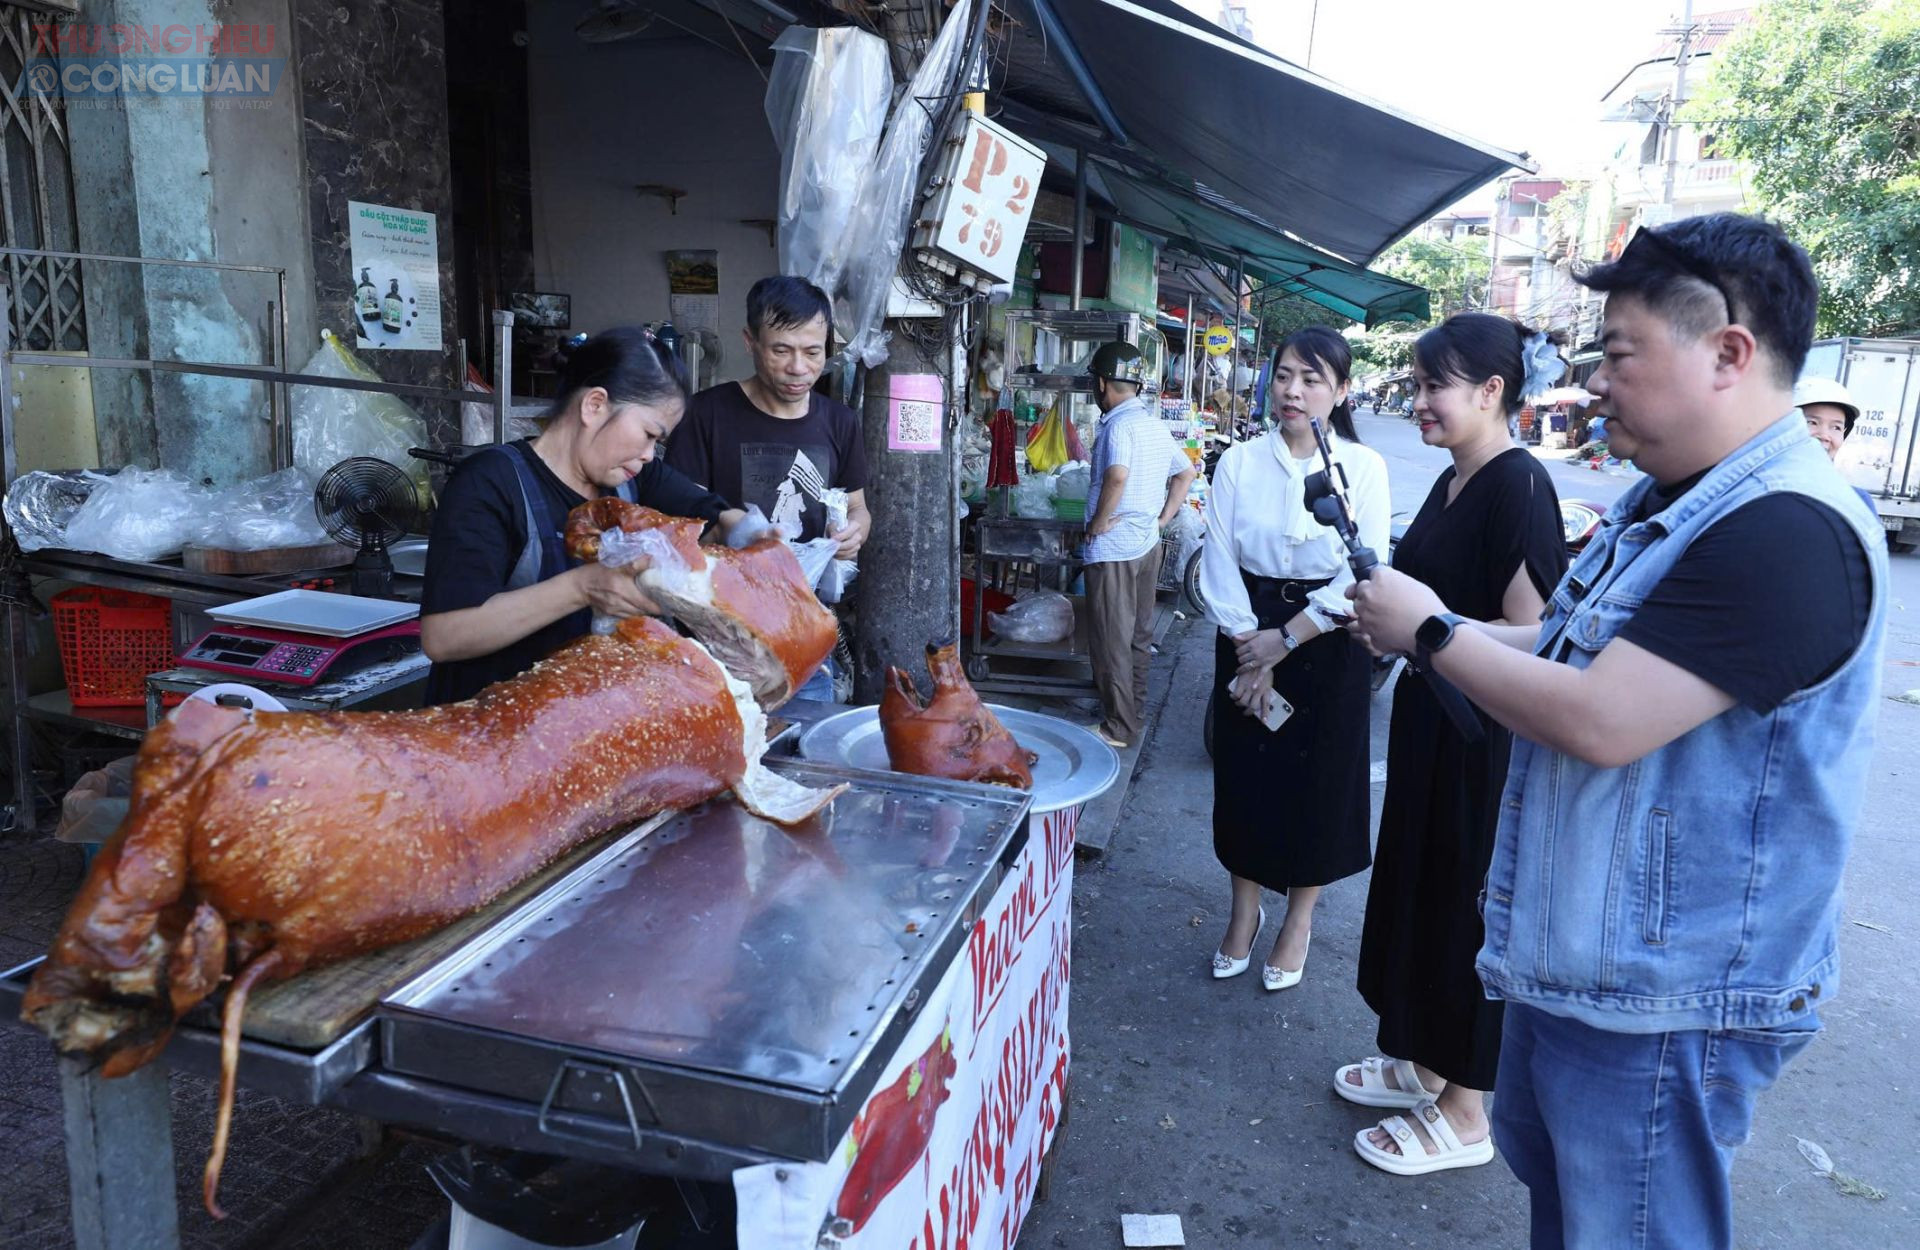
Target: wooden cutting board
{"type": "Point", "coordinates": [271, 560]}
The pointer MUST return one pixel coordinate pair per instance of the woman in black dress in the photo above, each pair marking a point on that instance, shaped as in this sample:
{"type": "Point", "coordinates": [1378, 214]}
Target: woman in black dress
{"type": "Point", "coordinates": [1489, 541]}
{"type": "Point", "coordinates": [1289, 805]}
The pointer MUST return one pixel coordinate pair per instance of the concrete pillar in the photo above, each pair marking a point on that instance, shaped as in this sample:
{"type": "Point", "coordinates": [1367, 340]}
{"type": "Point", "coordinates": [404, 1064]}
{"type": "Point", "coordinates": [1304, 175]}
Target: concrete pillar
{"type": "Point", "coordinates": [910, 565]}
{"type": "Point", "coordinates": [188, 178]}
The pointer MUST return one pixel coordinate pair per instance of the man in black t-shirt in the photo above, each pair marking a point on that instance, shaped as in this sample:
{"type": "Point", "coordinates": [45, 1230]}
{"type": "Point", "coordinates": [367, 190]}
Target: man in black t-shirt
{"type": "Point", "coordinates": [769, 440]}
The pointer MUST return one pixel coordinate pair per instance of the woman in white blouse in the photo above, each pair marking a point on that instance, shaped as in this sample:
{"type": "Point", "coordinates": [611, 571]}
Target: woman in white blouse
{"type": "Point", "coordinates": [1290, 805]}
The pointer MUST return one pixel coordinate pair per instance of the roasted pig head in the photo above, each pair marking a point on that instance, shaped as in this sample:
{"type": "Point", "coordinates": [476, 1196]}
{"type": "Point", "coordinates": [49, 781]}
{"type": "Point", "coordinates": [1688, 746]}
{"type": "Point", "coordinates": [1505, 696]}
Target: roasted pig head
{"type": "Point", "coordinates": [738, 603]}
{"type": "Point", "coordinates": [951, 735]}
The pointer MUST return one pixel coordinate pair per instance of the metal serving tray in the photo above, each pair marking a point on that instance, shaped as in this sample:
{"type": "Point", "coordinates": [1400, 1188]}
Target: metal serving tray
{"type": "Point", "coordinates": [1074, 766]}
{"type": "Point", "coordinates": [721, 979]}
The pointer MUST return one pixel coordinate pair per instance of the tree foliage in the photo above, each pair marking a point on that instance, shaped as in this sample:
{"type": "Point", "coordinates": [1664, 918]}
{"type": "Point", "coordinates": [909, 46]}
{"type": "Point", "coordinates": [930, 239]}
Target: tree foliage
{"type": "Point", "coordinates": [1456, 273]}
{"type": "Point", "coordinates": [1282, 315]}
{"type": "Point", "coordinates": [1821, 99]}
{"type": "Point", "coordinates": [1454, 270]}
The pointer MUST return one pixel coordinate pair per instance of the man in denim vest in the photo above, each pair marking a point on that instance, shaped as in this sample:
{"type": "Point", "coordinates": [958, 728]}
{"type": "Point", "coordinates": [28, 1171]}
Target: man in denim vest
{"type": "Point", "coordinates": [1693, 721]}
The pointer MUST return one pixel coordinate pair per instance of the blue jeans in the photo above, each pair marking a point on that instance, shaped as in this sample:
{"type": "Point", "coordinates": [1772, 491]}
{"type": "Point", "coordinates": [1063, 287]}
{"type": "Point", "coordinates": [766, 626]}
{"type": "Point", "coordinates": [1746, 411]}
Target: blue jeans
{"type": "Point", "coordinates": [820, 685]}
{"type": "Point", "coordinates": [1627, 1139]}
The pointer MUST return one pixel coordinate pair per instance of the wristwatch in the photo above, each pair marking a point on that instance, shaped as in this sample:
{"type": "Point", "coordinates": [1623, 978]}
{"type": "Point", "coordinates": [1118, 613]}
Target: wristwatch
{"type": "Point", "coordinates": [1433, 635]}
{"type": "Point", "coordinates": [1288, 640]}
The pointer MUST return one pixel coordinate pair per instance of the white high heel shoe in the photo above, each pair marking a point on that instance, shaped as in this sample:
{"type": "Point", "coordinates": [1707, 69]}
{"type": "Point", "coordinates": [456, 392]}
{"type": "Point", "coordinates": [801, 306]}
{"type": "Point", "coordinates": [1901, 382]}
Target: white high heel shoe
{"type": "Point", "coordinates": [1225, 966]}
{"type": "Point", "coordinates": [1273, 978]}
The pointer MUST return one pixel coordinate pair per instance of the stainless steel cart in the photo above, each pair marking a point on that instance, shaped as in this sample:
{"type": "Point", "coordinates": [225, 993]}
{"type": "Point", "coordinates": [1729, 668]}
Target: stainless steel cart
{"type": "Point", "coordinates": [704, 992]}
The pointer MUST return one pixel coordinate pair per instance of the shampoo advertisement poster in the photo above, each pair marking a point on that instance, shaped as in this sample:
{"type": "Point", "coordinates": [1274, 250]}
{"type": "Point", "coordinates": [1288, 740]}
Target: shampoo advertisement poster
{"type": "Point", "coordinates": [396, 276]}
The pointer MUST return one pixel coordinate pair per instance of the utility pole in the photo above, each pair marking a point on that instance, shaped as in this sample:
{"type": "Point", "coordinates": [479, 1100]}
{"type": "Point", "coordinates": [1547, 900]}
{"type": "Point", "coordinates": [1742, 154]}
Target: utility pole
{"type": "Point", "coordinates": [1671, 112]}
{"type": "Point", "coordinates": [909, 588]}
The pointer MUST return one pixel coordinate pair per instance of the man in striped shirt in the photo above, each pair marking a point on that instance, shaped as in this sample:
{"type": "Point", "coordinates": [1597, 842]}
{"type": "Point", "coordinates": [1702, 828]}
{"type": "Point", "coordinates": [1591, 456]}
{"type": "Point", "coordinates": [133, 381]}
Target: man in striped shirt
{"type": "Point", "coordinates": [1140, 479]}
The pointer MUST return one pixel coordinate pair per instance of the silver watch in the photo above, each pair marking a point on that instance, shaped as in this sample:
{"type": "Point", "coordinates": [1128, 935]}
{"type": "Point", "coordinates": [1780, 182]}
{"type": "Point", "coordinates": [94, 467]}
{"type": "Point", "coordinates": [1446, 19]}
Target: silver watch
{"type": "Point", "coordinates": [1287, 638]}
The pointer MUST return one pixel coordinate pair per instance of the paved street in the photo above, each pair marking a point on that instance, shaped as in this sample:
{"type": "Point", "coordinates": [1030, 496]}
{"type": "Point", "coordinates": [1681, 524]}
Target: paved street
{"type": "Point", "coordinates": [1211, 1099]}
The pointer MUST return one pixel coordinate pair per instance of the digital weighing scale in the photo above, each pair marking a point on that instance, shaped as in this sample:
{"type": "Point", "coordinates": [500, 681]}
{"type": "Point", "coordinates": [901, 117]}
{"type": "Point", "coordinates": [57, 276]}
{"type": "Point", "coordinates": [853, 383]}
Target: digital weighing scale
{"type": "Point", "coordinates": [301, 637]}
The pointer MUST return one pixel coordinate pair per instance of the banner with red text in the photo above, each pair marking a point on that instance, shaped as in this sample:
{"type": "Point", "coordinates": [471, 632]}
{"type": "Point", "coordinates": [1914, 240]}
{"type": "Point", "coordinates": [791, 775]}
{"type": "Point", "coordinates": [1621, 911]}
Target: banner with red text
{"type": "Point", "coordinates": [947, 1150]}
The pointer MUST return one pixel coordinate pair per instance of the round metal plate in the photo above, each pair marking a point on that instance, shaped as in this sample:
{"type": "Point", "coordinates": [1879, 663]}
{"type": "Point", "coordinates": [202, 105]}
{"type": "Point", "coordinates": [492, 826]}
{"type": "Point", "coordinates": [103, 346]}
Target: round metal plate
{"type": "Point", "coordinates": [1074, 766]}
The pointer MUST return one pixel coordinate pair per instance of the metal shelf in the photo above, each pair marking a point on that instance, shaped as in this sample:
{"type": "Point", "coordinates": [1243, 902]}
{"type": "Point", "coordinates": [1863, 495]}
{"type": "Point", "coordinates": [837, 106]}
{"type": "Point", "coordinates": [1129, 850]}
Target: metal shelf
{"type": "Point", "coordinates": [56, 708]}
{"type": "Point", "coordinates": [195, 590]}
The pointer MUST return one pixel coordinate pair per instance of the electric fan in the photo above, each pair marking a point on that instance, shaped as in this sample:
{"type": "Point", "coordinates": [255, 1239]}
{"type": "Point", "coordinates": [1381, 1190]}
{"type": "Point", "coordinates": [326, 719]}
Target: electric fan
{"type": "Point", "coordinates": [364, 502]}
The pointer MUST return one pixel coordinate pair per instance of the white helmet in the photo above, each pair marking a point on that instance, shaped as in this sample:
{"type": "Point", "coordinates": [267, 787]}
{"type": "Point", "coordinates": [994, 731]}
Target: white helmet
{"type": "Point", "coordinates": [1826, 391]}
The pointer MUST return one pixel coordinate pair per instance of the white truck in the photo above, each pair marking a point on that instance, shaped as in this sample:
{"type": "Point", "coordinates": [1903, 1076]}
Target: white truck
{"type": "Point", "coordinates": [1880, 456]}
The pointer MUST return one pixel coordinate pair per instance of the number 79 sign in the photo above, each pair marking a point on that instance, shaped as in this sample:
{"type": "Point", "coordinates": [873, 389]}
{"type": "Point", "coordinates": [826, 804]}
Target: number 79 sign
{"type": "Point", "coordinates": [979, 217]}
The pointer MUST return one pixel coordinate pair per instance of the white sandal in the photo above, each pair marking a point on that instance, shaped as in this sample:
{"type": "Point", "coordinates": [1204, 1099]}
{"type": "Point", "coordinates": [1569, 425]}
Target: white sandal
{"type": "Point", "coordinates": [1413, 1159]}
{"type": "Point", "coordinates": [1404, 1094]}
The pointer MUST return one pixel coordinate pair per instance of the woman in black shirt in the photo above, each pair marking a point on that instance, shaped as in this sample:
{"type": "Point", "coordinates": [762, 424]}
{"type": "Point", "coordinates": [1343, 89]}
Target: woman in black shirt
{"type": "Point", "coordinates": [501, 593]}
{"type": "Point", "coordinates": [1489, 539]}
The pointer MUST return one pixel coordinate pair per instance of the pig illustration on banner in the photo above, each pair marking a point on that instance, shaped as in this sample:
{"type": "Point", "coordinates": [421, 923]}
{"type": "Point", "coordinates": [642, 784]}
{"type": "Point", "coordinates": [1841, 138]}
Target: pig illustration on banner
{"type": "Point", "coordinates": [891, 1133]}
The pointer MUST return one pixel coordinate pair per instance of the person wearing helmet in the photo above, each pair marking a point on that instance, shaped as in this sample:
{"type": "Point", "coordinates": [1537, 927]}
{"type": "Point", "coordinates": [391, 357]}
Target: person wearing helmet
{"type": "Point", "coordinates": [1140, 479]}
{"type": "Point", "coordinates": [1829, 410]}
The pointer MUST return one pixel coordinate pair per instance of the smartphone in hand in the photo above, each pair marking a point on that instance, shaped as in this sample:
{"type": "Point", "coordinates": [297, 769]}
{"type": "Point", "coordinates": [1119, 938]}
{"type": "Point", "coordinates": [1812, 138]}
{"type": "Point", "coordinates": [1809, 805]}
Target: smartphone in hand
{"type": "Point", "coordinates": [1273, 713]}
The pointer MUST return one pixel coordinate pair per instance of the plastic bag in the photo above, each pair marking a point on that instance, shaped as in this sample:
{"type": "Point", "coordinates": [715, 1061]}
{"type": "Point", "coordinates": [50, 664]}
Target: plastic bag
{"type": "Point", "coordinates": [837, 580]}
{"type": "Point", "coordinates": [40, 504]}
{"type": "Point", "coordinates": [1043, 617]}
{"type": "Point", "coordinates": [476, 419]}
{"type": "Point", "coordinates": [830, 576]}
{"type": "Point", "coordinates": [139, 514]}
{"type": "Point", "coordinates": [644, 551]}
{"type": "Point", "coordinates": [1047, 443]}
{"type": "Point", "coordinates": [877, 225]}
{"type": "Point", "coordinates": [827, 101]}
{"type": "Point", "coordinates": [622, 549]}
{"type": "Point", "coordinates": [271, 511]}
{"type": "Point", "coordinates": [331, 425]}
{"type": "Point", "coordinates": [1033, 498]}
{"type": "Point", "coordinates": [814, 556]}
{"type": "Point", "coordinates": [1073, 482]}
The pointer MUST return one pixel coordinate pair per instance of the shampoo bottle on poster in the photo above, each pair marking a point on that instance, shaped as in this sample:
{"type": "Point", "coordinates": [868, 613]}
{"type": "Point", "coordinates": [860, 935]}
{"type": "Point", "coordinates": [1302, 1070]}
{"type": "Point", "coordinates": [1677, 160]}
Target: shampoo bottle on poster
{"type": "Point", "coordinates": [393, 309]}
{"type": "Point", "coordinates": [366, 297]}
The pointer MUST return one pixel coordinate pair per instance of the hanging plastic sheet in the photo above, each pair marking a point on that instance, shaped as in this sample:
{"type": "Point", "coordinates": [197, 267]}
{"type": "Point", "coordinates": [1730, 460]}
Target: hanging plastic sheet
{"type": "Point", "coordinates": [884, 209]}
{"type": "Point", "coordinates": [827, 102]}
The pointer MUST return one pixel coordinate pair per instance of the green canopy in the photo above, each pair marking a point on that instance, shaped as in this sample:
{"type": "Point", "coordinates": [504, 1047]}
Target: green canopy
{"type": "Point", "coordinates": [1198, 221]}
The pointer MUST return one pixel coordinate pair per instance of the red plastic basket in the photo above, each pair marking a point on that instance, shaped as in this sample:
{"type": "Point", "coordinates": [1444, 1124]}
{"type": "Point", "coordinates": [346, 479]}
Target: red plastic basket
{"type": "Point", "coordinates": [109, 641]}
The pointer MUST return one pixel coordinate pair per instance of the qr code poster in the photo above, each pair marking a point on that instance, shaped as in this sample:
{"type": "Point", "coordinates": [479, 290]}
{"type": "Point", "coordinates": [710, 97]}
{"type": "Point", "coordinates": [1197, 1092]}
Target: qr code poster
{"type": "Point", "coordinates": [914, 412]}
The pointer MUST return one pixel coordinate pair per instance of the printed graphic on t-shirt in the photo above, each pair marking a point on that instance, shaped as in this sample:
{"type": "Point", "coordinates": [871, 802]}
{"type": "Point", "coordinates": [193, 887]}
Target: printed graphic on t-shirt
{"type": "Point", "coordinates": [787, 482]}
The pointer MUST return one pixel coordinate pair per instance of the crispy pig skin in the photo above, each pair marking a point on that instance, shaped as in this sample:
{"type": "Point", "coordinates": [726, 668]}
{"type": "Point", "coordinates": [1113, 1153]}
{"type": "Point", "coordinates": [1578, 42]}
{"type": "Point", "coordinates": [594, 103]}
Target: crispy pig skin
{"type": "Point", "coordinates": [951, 735]}
{"type": "Point", "coordinates": [767, 636]}
{"type": "Point", "coordinates": [327, 835]}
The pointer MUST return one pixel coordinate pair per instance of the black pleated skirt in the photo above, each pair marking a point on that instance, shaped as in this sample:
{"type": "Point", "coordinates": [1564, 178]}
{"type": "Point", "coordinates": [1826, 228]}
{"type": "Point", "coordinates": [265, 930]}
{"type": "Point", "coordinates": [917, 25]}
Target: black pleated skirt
{"type": "Point", "coordinates": [1290, 807]}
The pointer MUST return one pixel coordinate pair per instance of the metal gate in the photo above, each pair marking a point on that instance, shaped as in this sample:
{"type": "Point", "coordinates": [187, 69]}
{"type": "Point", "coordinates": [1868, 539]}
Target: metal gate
{"type": "Point", "coordinates": [36, 196]}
